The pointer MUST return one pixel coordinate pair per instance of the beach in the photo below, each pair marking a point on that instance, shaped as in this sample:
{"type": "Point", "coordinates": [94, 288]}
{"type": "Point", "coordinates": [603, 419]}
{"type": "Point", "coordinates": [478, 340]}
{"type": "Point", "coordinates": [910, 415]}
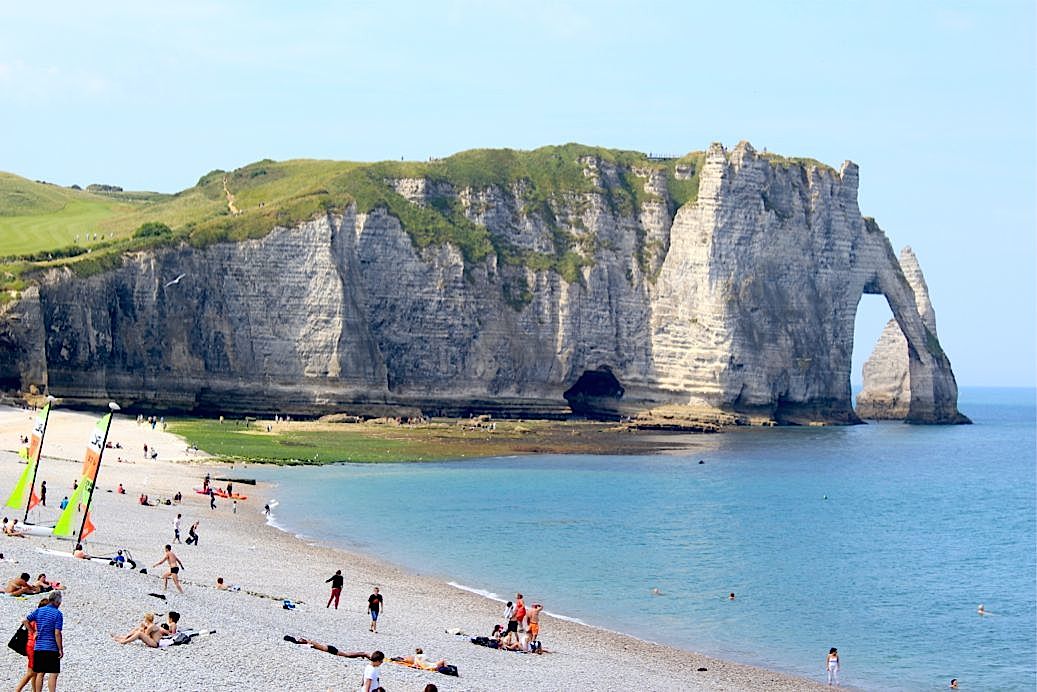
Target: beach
{"type": "Point", "coordinates": [247, 650]}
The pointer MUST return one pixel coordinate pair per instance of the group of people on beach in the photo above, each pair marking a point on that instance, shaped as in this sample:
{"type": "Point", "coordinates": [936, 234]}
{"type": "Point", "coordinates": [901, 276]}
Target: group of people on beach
{"type": "Point", "coordinates": [375, 602]}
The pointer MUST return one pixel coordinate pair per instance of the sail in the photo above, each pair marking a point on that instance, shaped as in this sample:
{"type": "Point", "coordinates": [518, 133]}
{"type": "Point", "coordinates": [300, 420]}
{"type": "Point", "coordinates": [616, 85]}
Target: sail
{"type": "Point", "coordinates": [64, 527]}
{"type": "Point", "coordinates": [17, 498]}
{"type": "Point", "coordinates": [18, 495]}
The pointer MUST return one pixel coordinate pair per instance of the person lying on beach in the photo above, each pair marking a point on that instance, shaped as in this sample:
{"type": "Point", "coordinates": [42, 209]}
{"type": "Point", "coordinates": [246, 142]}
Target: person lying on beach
{"type": "Point", "coordinates": [420, 660]}
{"type": "Point", "coordinates": [20, 586]}
{"type": "Point", "coordinates": [43, 585]}
{"type": "Point", "coordinates": [147, 632]}
{"type": "Point", "coordinates": [328, 648]}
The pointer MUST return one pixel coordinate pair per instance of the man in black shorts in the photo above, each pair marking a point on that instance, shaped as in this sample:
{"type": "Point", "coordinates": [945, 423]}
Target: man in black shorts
{"type": "Point", "coordinates": [173, 570]}
{"type": "Point", "coordinates": [49, 648]}
{"type": "Point", "coordinates": [329, 648]}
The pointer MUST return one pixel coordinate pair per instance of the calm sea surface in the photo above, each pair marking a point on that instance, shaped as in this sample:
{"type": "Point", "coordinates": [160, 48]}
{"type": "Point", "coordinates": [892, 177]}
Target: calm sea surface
{"type": "Point", "coordinates": [880, 540]}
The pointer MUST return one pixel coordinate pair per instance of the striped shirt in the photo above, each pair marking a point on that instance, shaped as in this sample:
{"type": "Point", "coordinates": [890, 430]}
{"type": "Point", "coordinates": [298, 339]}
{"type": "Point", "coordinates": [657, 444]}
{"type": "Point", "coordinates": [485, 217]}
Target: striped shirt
{"type": "Point", "coordinates": [47, 619]}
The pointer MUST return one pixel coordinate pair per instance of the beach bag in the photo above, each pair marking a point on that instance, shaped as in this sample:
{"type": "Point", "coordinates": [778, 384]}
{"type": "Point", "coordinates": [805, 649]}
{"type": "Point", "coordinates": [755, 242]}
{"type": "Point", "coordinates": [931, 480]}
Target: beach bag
{"type": "Point", "coordinates": [448, 670]}
{"type": "Point", "coordinates": [20, 641]}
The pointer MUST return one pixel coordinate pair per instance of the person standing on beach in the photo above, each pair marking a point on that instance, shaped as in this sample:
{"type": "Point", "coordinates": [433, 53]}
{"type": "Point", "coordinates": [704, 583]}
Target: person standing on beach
{"type": "Point", "coordinates": [534, 621]}
{"type": "Point", "coordinates": [49, 647]}
{"type": "Point", "coordinates": [336, 588]}
{"type": "Point", "coordinates": [375, 604]}
{"type": "Point", "coordinates": [832, 664]}
{"type": "Point", "coordinates": [176, 528]}
{"type": "Point", "coordinates": [517, 615]}
{"type": "Point", "coordinates": [43, 493]}
{"type": "Point", "coordinates": [173, 569]}
{"type": "Point", "coordinates": [212, 499]}
{"type": "Point", "coordinates": [192, 534]}
{"type": "Point", "coordinates": [371, 677]}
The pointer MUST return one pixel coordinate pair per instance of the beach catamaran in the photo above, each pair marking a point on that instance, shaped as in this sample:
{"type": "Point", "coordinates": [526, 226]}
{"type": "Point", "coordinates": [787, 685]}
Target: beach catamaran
{"type": "Point", "coordinates": [84, 489]}
{"type": "Point", "coordinates": [24, 493]}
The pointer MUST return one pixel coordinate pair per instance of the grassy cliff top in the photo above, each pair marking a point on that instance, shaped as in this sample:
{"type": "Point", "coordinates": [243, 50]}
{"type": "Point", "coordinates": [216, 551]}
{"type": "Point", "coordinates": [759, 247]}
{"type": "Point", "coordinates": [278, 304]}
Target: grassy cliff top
{"type": "Point", "coordinates": [44, 225]}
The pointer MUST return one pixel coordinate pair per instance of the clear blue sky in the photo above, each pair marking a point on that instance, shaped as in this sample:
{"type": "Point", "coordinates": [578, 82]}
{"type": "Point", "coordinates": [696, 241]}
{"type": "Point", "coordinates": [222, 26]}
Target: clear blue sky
{"type": "Point", "coordinates": [934, 100]}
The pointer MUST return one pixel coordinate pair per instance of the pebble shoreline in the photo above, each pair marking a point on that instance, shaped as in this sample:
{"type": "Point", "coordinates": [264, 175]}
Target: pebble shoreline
{"type": "Point", "coordinates": [248, 651]}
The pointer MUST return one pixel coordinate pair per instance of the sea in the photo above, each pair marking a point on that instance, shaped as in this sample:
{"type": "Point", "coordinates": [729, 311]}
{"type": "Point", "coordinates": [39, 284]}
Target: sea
{"type": "Point", "coordinates": [878, 539]}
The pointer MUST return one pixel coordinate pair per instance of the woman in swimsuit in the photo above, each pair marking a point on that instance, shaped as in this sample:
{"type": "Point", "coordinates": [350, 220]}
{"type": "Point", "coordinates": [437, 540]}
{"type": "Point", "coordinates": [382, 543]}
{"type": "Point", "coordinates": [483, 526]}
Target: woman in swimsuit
{"type": "Point", "coordinates": [147, 631]}
{"type": "Point", "coordinates": [832, 664]}
{"type": "Point", "coordinates": [41, 581]}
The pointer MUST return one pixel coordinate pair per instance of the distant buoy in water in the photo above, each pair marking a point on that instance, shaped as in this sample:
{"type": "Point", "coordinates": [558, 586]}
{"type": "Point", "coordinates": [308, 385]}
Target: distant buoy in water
{"type": "Point", "coordinates": [701, 461]}
{"type": "Point", "coordinates": [825, 497]}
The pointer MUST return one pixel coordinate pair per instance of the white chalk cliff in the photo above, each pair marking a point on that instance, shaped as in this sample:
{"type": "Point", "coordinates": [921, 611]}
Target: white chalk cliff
{"type": "Point", "coordinates": [740, 302]}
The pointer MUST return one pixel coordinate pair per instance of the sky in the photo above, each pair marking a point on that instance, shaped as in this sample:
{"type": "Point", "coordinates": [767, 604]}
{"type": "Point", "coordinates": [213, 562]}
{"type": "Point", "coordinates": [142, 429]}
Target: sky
{"type": "Point", "coordinates": [934, 100]}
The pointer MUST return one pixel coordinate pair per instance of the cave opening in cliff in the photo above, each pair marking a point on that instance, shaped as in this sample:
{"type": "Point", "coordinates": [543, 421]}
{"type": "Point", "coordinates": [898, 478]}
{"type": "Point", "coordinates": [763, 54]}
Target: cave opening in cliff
{"type": "Point", "coordinates": [595, 394]}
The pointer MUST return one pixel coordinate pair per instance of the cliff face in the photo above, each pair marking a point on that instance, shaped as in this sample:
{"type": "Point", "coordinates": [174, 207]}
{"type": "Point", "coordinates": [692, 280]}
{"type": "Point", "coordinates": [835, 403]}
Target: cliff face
{"type": "Point", "coordinates": [887, 372]}
{"type": "Point", "coordinates": [741, 302]}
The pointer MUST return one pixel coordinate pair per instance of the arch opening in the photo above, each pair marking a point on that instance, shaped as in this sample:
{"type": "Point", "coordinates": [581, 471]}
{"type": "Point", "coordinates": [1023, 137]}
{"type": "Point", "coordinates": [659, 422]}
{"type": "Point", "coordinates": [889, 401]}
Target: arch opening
{"type": "Point", "coordinates": [596, 394]}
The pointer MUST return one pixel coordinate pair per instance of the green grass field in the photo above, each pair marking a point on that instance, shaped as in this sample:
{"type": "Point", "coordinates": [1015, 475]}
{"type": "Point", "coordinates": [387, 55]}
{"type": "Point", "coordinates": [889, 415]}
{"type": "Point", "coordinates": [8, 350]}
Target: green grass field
{"type": "Point", "coordinates": [39, 222]}
{"type": "Point", "coordinates": [301, 443]}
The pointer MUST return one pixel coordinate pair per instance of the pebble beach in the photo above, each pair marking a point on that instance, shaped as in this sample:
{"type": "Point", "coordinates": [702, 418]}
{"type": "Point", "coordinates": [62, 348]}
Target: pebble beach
{"type": "Point", "coordinates": [247, 650]}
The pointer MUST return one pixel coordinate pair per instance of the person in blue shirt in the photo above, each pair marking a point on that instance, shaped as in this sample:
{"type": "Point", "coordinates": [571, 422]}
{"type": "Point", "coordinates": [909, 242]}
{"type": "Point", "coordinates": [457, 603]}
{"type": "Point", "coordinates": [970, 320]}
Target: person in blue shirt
{"type": "Point", "coordinates": [64, 502]}
{"type": "Point", "coordinates": [49, 648]}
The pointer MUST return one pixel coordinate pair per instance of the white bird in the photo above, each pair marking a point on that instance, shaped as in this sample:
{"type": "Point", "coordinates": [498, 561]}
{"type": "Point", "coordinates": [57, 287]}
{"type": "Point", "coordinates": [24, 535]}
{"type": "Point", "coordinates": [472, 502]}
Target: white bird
{"type": "Point", "coordinates": [174, 281]}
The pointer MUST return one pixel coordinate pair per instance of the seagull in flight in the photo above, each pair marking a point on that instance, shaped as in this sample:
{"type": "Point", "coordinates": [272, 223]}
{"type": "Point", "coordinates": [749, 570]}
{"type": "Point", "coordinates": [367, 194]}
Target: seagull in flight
{"type": "Point", "coordinates": [174, 281]}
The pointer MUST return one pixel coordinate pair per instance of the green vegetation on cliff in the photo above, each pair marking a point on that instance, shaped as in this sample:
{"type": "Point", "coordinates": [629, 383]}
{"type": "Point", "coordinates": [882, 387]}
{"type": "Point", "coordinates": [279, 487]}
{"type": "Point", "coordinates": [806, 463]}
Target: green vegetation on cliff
{"type": "Point", "coordinates": [44, 225]}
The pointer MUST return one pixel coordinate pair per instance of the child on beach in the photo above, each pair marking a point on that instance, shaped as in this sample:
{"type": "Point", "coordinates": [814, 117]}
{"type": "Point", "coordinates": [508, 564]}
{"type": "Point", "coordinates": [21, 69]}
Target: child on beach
{"type": "Point", "coordinates": [372, 683]}
{"type": "Point", "coordinates": [375, 603]}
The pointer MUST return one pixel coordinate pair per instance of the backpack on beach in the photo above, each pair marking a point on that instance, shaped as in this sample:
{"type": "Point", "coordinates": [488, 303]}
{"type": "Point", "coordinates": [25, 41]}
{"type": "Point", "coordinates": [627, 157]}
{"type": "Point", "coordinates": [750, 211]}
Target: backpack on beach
{"type": "Point", "coordinates": [448, 670]}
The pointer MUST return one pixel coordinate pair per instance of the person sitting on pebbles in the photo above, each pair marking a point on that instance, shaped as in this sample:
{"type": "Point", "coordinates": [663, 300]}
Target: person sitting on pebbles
{"type": "Point", "coordinates": [147, 632]}
{"type": "Point", "coordinates": [20, 586]}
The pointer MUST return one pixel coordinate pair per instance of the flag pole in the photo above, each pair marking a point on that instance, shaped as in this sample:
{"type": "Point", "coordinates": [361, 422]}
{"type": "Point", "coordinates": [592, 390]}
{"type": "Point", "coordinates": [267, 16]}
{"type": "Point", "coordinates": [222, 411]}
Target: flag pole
{"type": "Point", "coordinates": [36, 462]}
{"type": "Point", "coordinates": [93, 482]}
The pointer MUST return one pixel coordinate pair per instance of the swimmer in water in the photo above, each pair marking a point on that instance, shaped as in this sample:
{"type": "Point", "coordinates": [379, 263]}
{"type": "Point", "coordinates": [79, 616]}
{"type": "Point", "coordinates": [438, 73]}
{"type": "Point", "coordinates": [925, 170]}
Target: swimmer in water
{"type": "Point", "coordinates": [954, 683]}
{"type": "Point", "coordinates": [656, 591]}
{"type": "Point", "coordinates": [731, 596]}
{"type": "Point", "coordinates": [981, 611]}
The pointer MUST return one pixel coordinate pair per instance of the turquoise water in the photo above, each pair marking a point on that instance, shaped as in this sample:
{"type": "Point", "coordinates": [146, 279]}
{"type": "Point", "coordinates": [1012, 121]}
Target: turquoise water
{"type": "Point", "coordinates": [880, 540]}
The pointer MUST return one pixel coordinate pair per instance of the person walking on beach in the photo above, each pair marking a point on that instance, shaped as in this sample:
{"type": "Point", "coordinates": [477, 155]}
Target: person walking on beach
{"type": "Point", "coordinates": [173, 569]}
{"type": "Point", "coordinates": [336, 588]}
{"type": "Point", "coordinates": [43, 493]}
{"type": "Point", "coordinates": [832, 664]}
{"type": "Point", "coordinates": [212, 499]}
{"type": "Point", "coordinates": [49, 647]}
{"type": "Point", "coordinates": [30, 646]}
{"type": "Point", "coordinates": [375, 604]}
{"type": "Point", "coordinates": [176, 529]}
